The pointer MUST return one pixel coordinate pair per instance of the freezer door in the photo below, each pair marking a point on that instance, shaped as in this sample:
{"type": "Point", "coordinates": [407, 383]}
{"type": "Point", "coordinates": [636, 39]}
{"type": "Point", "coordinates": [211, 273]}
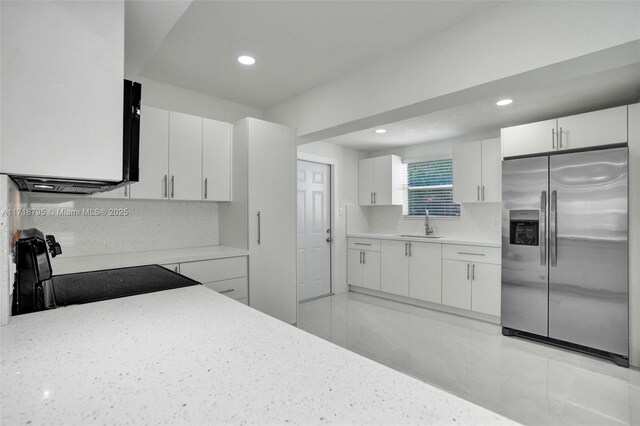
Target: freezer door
{"type": "Point", "coordinates": [588, 264]}
{"type": "Point", "coordinates": [525, 188]}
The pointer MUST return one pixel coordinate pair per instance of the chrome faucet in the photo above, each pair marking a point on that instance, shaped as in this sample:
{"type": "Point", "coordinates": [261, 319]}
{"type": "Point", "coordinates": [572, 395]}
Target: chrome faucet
{"type": "Point", "coordinates": [428, 229]}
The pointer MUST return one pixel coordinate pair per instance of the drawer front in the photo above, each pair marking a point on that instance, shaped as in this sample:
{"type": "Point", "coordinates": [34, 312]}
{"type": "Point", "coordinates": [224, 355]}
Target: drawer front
{"type": "Point", "coordinates": [235, 288]}
{"type": "Point", "coordinates": [364, 244]}
{"type": "Point", "coordinates": [207, 271]}
{"type": "Point", "coordinates": [472, 253]}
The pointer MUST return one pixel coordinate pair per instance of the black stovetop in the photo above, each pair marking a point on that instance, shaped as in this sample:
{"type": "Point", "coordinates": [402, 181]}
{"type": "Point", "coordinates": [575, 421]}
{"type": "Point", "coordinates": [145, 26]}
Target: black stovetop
{"type": "Point", "coordinates": [86, 287]}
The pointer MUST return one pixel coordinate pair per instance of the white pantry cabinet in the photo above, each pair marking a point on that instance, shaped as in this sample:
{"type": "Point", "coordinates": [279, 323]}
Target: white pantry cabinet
{"type": "Point", "coordinates": [597, 128]}
{"type": "Point", "coordinates": [262, 216]}
{"type": "Point", "coordinates": [216, 160]}
{"type": "Point", "coordinates": [471, 278]}
{"type": "Point", "coordinates": [380, 181]}
{"type": "Point", "coordinates": [153, 181]}
{"type": "Point", "coordinates": [477, 172]}
{"type": "Point", "coordinates": [62, 106]}
{"type": "Point", "coordinates": [185, 156]}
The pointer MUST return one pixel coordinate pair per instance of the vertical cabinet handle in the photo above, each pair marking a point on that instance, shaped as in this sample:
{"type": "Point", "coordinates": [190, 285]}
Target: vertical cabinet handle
{"type": "Point", "coordinates": [125, 190]}
{"type": "Point", "coordinates": [543, 228]}
{"type": "Point", "coordinates": [172, 186]}
{"type": "Point", "coordinates": [406, 249]}
{"type": "Point", "coordinates": [553, 229]}
{"type": "Point", "coordinates": [482, 192]}
{"type": "Point", "coordinates": [374, 198]}
{"type": "Point", "coordinates": [409, 249]}
{"type": "Point", "coordinates": [165, 186]}
{"type": "Point", "coordinates": [259, 233]}
{"type": "Point", "coordinates": [553, 138]}
{"type": "Point", "coordinates": [473, 272]}
{"type": "Point", "coordinates": [560, 138]}
{"type": "Point", "coordinates": [478, 193]}
{"type": "Point", "coordinates": [371, 197]}
{"type": "Point", "coordinates": [467, 272]}
{"type": "Point", "coordinates": [361, 257]}
{"type": "Point", "coordinates": [205, 188]}
{"type": "Point", "coordinates": [364, 257]}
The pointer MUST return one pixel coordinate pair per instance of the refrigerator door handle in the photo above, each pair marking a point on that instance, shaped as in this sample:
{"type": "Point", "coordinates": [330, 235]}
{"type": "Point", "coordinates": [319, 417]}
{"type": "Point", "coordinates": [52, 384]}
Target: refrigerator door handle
{"type": "Point", "coordinates": [553, 229]}
{"type": "Point", "coordinates": [543, 228]}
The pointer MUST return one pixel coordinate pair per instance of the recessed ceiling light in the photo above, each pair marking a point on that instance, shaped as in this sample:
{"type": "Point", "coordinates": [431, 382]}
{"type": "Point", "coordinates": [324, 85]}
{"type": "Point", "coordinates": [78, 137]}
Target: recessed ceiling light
{"type": "Point", "coordinates": [246, 60]}
{"type": "Point", "coordinates": [380, 131]}
{"type": "Point", "coordinates": [503, 102]}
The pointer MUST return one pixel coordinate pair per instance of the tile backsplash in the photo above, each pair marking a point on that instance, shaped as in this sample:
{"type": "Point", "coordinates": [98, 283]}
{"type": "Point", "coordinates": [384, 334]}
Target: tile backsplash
{"type": "Point", "coordinates": [476, 222]}
{"type": "Point", "coordinates": [89, 226]}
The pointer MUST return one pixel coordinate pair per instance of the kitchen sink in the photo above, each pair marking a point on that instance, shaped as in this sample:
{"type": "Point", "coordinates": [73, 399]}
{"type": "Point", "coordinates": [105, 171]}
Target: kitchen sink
{"type": "Point", "coordinates": [420, 236]}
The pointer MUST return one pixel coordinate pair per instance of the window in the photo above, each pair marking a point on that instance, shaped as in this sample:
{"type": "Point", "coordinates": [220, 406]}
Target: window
{"type": "Point", "coordinates": [429, 186]}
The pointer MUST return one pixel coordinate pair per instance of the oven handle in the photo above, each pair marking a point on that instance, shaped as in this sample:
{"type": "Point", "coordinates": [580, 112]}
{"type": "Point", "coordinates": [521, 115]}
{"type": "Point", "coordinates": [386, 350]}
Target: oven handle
{"type": "Point", "coordinates": [543, 228]}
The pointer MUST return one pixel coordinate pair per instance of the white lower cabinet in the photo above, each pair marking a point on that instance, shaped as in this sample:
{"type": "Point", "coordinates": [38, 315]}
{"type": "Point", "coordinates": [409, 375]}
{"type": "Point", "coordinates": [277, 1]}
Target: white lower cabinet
{"type": "Point", "coordinates": [394, 267]}
{"type": "Point", "coordinates": [227, 276]}
{"type": "Point", "coordinates": [363, 263]}
{"type": "Point", "coordinates": [464, 277]}
{"type": "Point", "coordinates": [471, 278]}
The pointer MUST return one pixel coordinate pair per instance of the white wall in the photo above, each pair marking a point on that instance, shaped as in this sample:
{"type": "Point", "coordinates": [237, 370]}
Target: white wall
{"type": "Point", "coordinates": [347, 194]}
{"type": "Point", "coordinates": [504, 41]}
{"type": "Point", "coordinates": [477, 221]}
{"type": "Point", "coordinates": [163, 95]}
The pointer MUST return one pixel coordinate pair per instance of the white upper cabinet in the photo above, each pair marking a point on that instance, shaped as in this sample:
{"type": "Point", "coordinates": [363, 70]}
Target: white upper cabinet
{"type": "Point", "coordinates": [477, 172]}
{"type": "Point", "coordinates": [62, 106]}
{"type": "Point", "coordinates": [529, 139]}
{"type": "Point", "coordinates": [366, 179]}
{"type": "Point", "coordinates": [185, 156]}
{"type": "Point", "coordinates": [380, 181]}
{"type": "Point", "coordinates": [605, 127]}
{"type": "Point", "coordinates": [216, 160]}
{"type": "Point", "coordinates": [597, 128]}
{"type": "Point", "coordinates": [154, 155]}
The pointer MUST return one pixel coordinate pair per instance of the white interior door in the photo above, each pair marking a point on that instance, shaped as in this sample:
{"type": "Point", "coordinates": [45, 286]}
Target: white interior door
{"type": "Point", "coordinates": [314, 230]}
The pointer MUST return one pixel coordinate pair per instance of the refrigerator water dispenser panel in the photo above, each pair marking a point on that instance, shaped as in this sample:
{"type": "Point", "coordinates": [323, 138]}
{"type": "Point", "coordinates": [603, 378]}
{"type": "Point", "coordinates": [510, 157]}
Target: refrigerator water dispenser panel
{"type": "Point", "coordinates": [524, 227]}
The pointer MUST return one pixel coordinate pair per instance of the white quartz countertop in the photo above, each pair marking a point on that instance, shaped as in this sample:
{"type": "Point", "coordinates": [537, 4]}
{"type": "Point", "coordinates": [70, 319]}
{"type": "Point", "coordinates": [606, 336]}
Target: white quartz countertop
{"type": "Point", "coordinates": [192, 356]}
{"type": "Point", "coordinates": [442, 240]}
{"type": "Point", "coordinates": [67, 265]}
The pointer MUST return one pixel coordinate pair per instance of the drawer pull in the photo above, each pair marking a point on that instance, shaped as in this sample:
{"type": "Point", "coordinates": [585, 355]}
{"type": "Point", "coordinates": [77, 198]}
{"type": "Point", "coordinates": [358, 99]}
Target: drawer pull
{"type": "Point", "coordinates": [226, 291]}
{"type": "Point", "coordinates": [471, 254]}
{"type": "Point", "coordinates": [362, 244]}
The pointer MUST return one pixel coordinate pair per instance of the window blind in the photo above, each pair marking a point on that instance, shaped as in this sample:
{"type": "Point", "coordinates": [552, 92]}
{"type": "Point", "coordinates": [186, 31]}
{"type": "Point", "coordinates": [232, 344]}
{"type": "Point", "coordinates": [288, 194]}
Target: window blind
{"type": "Point", "coordinates": [428, 185]}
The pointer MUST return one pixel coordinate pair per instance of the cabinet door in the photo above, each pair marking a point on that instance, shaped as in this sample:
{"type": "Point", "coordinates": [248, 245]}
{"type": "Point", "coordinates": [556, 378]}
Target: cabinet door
{"type": "Point", "coordinates": [185, 156]}
{"type": "Point", "coordinates": [371, 270]}
{"type": "Point", "coordinates": [216, 160]}
{"type": "Point", "coordinates": [485, 288]}
{"type": "Point", "coordinates": [154, 155]}
{"type": "Point", "coordinates": [467, 172]}
{"type": "Point", "coordinates": [366, 184]}
{"type": "Point", "coordinates": [530, 138]}
{"type": "Point", "coordinates": [272, 193]}
{"type": "Point", "coordinates": [425, 272]}
{"type": "Point", "coordinates": [456, 284]}
{"type": "Point", "coordinates": [605, 127]}
{"type": "Point", "coordinates": [394, 267]}
{"type": "Point", "coordinates": [491, 190]}
{"type": "Point", "coordinates": [355, 270]}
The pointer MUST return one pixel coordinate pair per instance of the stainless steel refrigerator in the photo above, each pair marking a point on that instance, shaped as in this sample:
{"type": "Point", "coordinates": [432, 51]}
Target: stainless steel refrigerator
{"type": "Point", "coordinates": [565, 250]}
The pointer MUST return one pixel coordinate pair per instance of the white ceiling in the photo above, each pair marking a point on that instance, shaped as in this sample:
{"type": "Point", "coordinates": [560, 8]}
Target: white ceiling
{"type": "Point", "coordinates": [298, 44]}
{"type": "Point", "coordinates": [612, 88]}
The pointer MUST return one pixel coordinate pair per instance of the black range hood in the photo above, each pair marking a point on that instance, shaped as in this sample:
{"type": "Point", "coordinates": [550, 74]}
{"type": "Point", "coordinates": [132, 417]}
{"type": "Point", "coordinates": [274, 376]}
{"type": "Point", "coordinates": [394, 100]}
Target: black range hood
{"type": "Point", "coordinates": [130, 155]}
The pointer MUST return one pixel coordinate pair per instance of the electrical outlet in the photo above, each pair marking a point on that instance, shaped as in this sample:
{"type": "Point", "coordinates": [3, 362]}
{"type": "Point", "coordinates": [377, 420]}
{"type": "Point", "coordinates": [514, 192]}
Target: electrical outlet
{"type": "Point", "coordinates": [341, 211]}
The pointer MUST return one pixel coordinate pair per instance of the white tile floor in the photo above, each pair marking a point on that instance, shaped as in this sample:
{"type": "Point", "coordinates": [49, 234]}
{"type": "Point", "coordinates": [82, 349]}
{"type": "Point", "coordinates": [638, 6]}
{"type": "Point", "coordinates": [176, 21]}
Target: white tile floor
{"type": "Point", "coordinates": [526, 381]}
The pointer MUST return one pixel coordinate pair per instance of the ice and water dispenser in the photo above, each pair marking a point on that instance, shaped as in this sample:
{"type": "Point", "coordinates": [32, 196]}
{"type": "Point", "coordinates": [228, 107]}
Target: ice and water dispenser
{"type": "Point", "coordinates": [524, 227]}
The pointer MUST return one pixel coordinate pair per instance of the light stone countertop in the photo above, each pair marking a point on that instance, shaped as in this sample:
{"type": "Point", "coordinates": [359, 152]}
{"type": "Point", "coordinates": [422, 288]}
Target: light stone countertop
{"type": "Point", "coordinates": [442, 240]}
{"type": "Point", "coordinates": [67, 265]}
{"type": "Point", "coordinates": [192, 356]}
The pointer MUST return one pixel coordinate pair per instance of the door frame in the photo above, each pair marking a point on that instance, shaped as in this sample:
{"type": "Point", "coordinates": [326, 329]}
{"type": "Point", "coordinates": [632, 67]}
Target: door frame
{"type": "Point", "coordinates": [333, 216]}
